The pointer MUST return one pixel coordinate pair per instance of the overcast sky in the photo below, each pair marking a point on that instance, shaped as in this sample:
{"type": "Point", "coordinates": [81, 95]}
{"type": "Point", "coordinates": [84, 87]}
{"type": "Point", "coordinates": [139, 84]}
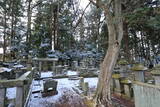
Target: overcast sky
{"type": "Point", "coordinates": [84, 3]}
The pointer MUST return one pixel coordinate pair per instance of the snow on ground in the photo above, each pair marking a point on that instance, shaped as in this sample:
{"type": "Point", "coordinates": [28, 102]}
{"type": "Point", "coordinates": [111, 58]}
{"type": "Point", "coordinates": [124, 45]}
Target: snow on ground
{"type": "Point", "coordinates": [69, 73]}
{"type": "Point", "coordinates": [3, 69]}
{"type": "Point", "coordinates": [46, 74]}
{"type": "Point", "coordinates": [11, 93]}
{"type": "Point", "coordinates": [64, 87]}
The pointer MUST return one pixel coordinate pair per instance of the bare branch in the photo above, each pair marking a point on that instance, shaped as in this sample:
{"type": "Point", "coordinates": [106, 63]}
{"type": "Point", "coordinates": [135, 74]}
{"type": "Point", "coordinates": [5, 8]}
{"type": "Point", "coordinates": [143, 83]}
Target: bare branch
{"type": "Point", "coordinates": [81, 16]}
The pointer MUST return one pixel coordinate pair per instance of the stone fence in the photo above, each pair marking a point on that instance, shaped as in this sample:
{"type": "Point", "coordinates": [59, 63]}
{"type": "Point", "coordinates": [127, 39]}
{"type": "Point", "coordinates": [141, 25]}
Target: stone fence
{"type": "Point", "coordinates": [22, 85]}
{"type": "Point", "coordinates": [146, 95]}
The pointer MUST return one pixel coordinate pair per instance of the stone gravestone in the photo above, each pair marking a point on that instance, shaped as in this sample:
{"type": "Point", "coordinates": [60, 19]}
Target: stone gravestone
{"type": "Point", "coordinates": [156, 74]}
{"type": "Point", "coordinates": [139, 70]}
{"type": "Point", "coordinates": [123, 68]}
{"type": "Point", "coordinates": [49, 87]}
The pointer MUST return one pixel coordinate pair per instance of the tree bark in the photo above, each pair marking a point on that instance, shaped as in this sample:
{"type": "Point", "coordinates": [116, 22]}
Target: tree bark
{"type": "Point", "coordinates": [29, 13]}
{"type": "Point", "coordinates": [126, 42]}
{"type": "Point", "coordinates": [115, 30]}
{"type": "Point", "coordinates": [4, 36]}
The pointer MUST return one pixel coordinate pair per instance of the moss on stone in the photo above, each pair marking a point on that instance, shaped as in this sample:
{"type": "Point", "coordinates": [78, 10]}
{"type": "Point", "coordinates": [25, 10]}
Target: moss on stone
{"type": "Point", "coordinates": [156, 70]}
{"type": "Point", "coordinates": [138, 67]}
{"type": "Point", "coordinates": [122, 62]}
{"type": "Point", "coordinates": [157, 66]}
{"type": "Point", "coordinates": [126, 81]}
{"type": "Point", "coordinates": [116, 76]}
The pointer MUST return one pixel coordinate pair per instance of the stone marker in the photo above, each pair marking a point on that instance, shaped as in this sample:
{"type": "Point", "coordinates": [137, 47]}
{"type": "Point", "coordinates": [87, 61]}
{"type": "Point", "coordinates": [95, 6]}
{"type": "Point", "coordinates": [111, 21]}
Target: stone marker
{"type": "Point", "coordinates": [156, 74]}
{"type": "Point", "coordinates": [127, 87]}
{"type": "Point", "coordinates": [2, 97]}
{"type": "Point", "coordinates": [116, 79]}
{"type": "Point", "coordinates": [81, 82]}
{"type": "Point", "coordinates": [139, 70]}
{"type": "Point", "coordinates": [86, 88]}
{"type": "Point", "coordinates": [123, 64]}
{"type": "Point", "coordinates": [50, 85]}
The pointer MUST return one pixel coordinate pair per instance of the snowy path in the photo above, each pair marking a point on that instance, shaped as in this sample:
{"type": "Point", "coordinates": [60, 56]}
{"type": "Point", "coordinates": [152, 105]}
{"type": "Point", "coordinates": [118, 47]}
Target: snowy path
{"type": "Point", "coordinates": [65, 92]}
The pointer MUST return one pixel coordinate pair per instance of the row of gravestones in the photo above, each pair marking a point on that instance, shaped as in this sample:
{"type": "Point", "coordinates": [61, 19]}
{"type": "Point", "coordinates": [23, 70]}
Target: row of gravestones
{"type": "Point", "coordinates": [123, 77]}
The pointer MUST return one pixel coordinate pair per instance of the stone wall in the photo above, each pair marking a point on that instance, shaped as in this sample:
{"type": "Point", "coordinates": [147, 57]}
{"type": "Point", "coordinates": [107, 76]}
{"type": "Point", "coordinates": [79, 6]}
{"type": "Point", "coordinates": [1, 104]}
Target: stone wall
{"type": "Point", "coordinates": [146, 95]}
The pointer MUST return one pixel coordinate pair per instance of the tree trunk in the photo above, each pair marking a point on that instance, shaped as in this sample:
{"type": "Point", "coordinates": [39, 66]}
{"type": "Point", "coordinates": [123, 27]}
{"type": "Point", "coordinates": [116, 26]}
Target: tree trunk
{"type": "Point", "coordinates": [4, 37]}
{"type": "Point", "coordinates": [29, 13]}
{"type": "Point", "coordinates": [115, 30]}
{"type": "Point", "coordinates": [103, 97]}
{"type": "Point", "coordinates": [126, 42]}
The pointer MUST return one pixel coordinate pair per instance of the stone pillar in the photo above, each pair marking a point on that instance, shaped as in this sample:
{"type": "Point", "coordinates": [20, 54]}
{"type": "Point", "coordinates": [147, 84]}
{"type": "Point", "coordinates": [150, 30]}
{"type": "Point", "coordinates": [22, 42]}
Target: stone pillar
{"type": "Point", "coordinates": [40, 68]}
{"type": "Point", "coordinates": [139, 70]}
{"type": "Point", "coordinates": [2, 97]}
{"type": "Point", "coordinates": [86, 88]}
{"type": "Point", "coordinates": [117, 78]}
{"type": "Point", "coordinates": [112, 84]}
{"type": "Point", "coordinates": [54, 65]}
{"type": "Point", "coordinates": [156, 74]}
{"type": "Point", "coordinates": [122, 63]}
{"type": "Point", "coordinates": [19, 97]}
{"type": "Point", "coordinates": [127, 87]}
{"type": "Point", "coordinates": [0, 76]}
{"type": "Point", "coordinates": [81, 82]}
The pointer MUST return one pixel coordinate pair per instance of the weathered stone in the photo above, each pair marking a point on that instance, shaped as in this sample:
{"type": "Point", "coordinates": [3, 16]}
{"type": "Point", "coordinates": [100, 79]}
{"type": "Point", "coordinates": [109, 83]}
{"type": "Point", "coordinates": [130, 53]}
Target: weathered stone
{"type": "Point", "coordinates": [81, 82]}
{"type": "Point", "coordinates": [139, 70]}
{"type": "Point", "coordinates": [117, 80]}
{"type": "Point", "coordinates": [73, 77]}
{"type": "Point", "coordinates": [156, 74]}
{"type": "Point", "coordinates": [50, 85]}
{"type": "Point", "coordinates": [127, 87]}
{"type": "Point", "coordinates": [86, 88]}
{"type": "Point", "coordinates": [2, 97]}
{"type": "Point", "coordinates": [19, 97]}
{"type": "Point", "coordinates": [146, 95]}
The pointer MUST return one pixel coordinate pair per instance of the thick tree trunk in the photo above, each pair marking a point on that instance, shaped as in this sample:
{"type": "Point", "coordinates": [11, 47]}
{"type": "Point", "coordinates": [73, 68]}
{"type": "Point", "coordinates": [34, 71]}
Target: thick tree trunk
{"type": "Point", "coordinates": [4, 37]}
{"type": "Point", "coordinates": [103, 97]}
{"type": "Point", "coordinates": [115, 32]}
{"type": "Point", "coordinates": [126, 42]}
{"type": "Point", "coordinates": [29, 13]}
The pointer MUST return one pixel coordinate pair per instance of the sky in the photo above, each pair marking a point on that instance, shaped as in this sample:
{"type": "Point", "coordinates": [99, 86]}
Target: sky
{"type": "Point", "coordinates": [84, 3]}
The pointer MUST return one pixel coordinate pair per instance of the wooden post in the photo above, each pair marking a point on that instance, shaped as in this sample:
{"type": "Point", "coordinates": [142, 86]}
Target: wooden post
{"type": "Point", "coordinates": [2, 97]}
{"type": "Point", "coordinates": [19, 97]}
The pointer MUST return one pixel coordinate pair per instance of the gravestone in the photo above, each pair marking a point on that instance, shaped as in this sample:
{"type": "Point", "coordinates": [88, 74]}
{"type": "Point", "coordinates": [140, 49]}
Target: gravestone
{"type": "Point", "coordinates": [123, 65]}
{"type": "Point", "coordinates": [49, 87]}
{"type": "Point", "coordinates": [139, 70]}
{"type": "Point", "coordinates": [50, 84]}
{"type": "Point", "coordinates": [127, 87]}
{"type": "Point", "coordinates": [117, 79]}
{"type": "Point", "coordinates": [156, 74]}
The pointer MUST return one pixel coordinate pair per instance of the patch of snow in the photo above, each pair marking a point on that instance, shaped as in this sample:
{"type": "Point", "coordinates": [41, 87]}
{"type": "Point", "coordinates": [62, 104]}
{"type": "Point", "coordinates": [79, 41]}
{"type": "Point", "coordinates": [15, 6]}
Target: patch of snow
{"type": "Point", "coordinates": [18, 66]}
{"type": "Point", "coordinates": [4, 69]}
{"type": "Point", "coordinates": [11, 93]}
{"type": "Point", "coordinates": [46, 74]}
{"type": "Point", "coordinates": [69, 73]}
{"type": "Point", "coordinates": [64, 85]}
{"type": "Point", "coordinates": [91, 81]}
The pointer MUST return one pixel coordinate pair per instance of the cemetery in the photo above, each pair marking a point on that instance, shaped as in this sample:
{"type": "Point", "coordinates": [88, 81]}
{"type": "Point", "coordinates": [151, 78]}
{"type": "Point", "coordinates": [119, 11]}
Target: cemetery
{"type": "Point", "coordinates": [79, 53]}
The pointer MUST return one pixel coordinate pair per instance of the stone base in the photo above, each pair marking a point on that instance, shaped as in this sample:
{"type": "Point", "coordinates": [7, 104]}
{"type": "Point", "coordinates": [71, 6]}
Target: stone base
{"type": "Point", "coordinates": [49, 93]}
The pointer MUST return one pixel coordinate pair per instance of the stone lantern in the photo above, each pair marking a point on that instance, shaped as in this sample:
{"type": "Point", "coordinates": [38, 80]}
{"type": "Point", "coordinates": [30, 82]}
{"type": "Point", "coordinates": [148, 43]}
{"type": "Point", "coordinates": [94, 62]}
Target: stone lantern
{"type": "Point", "coordinates": [116, 85]}
{"type": "Point", "coordinates": [29, 63]}
{"type": "Point", "coordinates": [127, 88]}
{"type": "Point", "coordinates": [156, 74]}
{"type": "Point", "coordinates": [139, 70]}
{"type": "Point", "coordinates": [123, 67]}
